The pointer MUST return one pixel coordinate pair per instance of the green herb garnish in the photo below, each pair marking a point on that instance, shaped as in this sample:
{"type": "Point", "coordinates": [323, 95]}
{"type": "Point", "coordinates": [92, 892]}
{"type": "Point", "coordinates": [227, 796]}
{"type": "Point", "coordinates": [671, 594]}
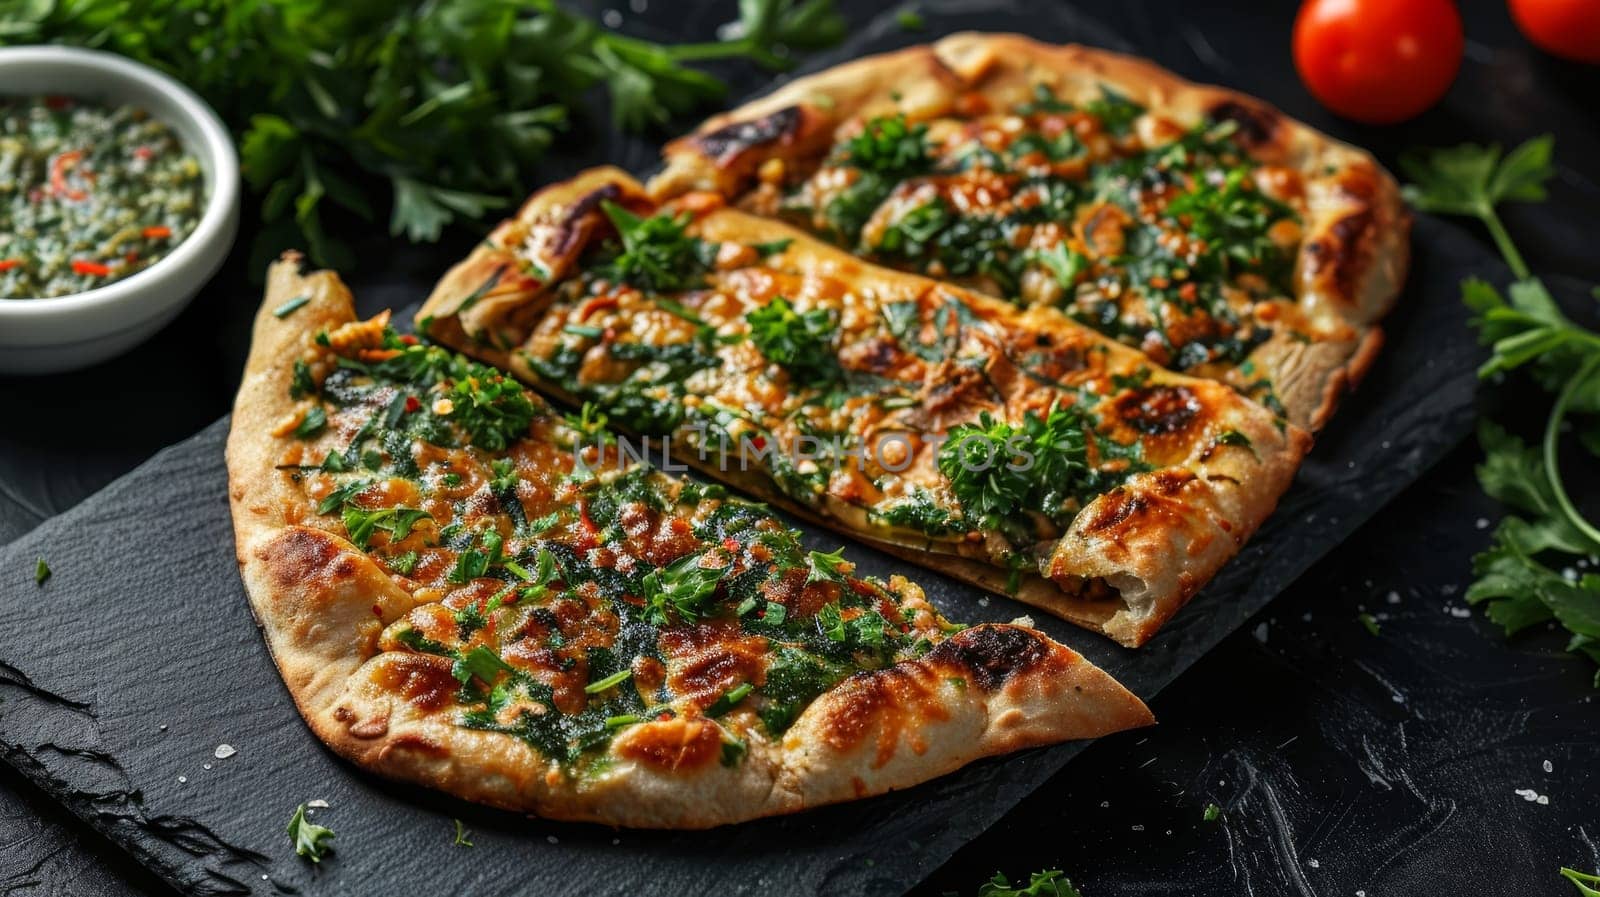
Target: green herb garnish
{"type": "Point", "coordinates": [290, 307]}
{"type": "Point", "coordinates": [461, 835]}
{"type": "Point", "coordinates": [678, 591]}
{"type": "Point", "coordinates": [891, 147]}
{"type": "Point", "coordinates": [313, 423]}
{"type": "Point", "coordinates": [41, 572]}
{"type": "Point", "coordinates": [433, 110]}
{"type": "Point", "coordinates": [310, 840]}
{"type": "Point", "coordinates": [801, 343]}
{"type": "Point", "coordinates": [657, 253]}
{"type": "Point", "coordinates": [1516, 577]}
{"type": "Point", "coordinates": [1050, 883]}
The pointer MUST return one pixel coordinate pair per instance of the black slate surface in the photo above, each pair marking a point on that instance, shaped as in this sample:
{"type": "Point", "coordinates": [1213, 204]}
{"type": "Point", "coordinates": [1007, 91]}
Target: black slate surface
{"type": "Point", "coordinates": [68, 468]}
{"type": "Point", "coordinates": [147, 566]}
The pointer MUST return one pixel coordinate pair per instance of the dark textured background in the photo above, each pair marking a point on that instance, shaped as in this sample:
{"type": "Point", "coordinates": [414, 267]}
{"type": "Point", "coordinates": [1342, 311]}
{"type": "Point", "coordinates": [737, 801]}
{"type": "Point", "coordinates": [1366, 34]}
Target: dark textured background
{"type": "Point", "coordinates": [1343, 761]}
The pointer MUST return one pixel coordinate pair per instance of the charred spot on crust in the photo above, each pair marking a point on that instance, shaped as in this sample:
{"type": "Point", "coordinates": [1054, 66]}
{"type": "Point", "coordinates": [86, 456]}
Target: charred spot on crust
{"type": "Point", "coordinates": [1257, 124]}
{"type": "Point", "coordinates": [1159, 410]}
{"type": "Point", "coordinates": [729, 141]}
{"type": "Point", "coordinates": [423, 679]}
{"type": "Point", "coordinates": [992, 654]}
{"type": "Point", "coordinates": [299, 555]}
{"type": "Point", "coordinates": [569, 232]}
{"type": "Point", "coordinates": [673, 744]}
{"type": "Point", "coordinates": [1122, 503]}
{"type": "Point", "coordinates": [1338, 251]}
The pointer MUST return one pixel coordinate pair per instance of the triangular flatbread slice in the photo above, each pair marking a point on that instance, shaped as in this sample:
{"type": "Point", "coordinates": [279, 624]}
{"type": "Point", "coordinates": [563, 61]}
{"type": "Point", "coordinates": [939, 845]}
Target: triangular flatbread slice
{"type": "Point", "coordinates": [464, 589]}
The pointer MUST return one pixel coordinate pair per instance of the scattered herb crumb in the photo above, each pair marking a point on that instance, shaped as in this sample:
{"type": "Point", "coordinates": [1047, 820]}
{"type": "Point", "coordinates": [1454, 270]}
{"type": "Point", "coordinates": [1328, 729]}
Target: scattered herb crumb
{"type": "Point", "coordinates": [1050, 883]}
{"type": "Point", "coordinates": [1369, 621]}
{"type": "Point", "coordinates": [309, 838]}
{"type": "Point", "coordinates": [1213, 813]}
{"type": "Point", "coordinates": [910, 19]}
{"type": "Point", "coordinates": [1582, 881]}
{"type": "Point", "coordinates": [41, 572]}
{"type": "Point", "coordinates": [461, 836]}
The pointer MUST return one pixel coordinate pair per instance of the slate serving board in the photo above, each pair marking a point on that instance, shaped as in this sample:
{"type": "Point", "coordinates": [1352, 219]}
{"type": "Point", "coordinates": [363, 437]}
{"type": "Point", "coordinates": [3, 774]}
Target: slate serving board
{"type": "Point", "coordinates": [121, 676]}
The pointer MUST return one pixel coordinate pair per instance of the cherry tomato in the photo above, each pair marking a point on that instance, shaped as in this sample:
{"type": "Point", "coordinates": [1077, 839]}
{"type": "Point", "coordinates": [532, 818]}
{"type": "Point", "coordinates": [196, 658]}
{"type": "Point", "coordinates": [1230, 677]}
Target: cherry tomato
{"type": "Point", "coordinates": [1568, 28]}
{"type": "Point", "coordinates": [1378, 61]}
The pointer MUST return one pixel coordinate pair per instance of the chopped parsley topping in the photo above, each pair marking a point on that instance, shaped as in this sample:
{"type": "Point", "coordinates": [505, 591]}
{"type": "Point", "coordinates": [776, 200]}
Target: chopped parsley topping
{"type": "Point", "coordinates": [801, 343]}
{"type": "Point", "coordinates": [290, 307]}
{"type": "Point", "coordinates": [41, 572]}
{"type": "Point", "coordinates": [891, 147]}
{"type": "Point", "coordinates": [657, 254]}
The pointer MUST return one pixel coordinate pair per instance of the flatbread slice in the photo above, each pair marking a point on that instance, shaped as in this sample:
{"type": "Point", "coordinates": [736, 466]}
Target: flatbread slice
{"type": "Point", "coordinates": [1011, 448]}
{"type": "Point", "coordinates": [467, 590]}
{"type": "Point", "coordinates": [1195, 223]}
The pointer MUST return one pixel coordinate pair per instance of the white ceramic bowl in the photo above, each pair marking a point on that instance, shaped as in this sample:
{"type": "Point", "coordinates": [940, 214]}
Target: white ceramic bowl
{"type": "Point", "coordinates": [68, 332]}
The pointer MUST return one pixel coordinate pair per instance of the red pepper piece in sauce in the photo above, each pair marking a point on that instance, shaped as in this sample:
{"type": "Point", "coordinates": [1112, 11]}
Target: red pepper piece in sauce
{"type": "Point", "coordinates": [157, 232]}
{"type": "Point", "coordinates": [91, 269]}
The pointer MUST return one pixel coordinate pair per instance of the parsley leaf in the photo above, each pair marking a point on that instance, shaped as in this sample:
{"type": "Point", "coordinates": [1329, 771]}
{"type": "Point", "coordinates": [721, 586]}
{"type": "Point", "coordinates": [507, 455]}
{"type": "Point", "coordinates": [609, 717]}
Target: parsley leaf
{"type": "Point", "coordinates": [1050, 883]}
{"type": "Point", "coordinates": [1582, 881]}
{"type": "Point", "coordinates": [41, 571]}
{"type": "Point", "coordinates": [657, 254]}
{"type": "Point", "coordinates": [891, 147]}
{"type": "Point", "coordinates": [1471, 180]}
{"type": "Point", "coordinates": [801, 343]}
{"type": "Point", "coordinates": [1525, 330]}
{"type": "Point", "coordinates": [360, 523]}
{"type": "Point", "coordinates": [310, 839]}
{"type": "Point", "coordinates": [461, 835]}
{"type": "Point", "coordinates": [679, 590]}
{"type": "Point", "coordinates": [1042, 465]}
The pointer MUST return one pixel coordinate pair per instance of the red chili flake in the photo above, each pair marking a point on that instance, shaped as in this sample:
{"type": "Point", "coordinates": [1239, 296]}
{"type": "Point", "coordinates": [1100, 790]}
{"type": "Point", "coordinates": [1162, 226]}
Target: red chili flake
{"type": "Point", "coordinates": [664, 715]}
{"type": "Point", "coordinates": [761, 614]}
{"type": "Point", "coordinates": [8, 264]}
{"type": "Point", "coordinates": [93, 269]}
{"type": "Point", "coordinates": [594, 305]}
{"type": "Point", "coordinates": [730, 543]}
{"type": "Point", "coordinates": [412, 405]}
{"type": "Point", "coordinates": [408, 339]}
{"type": "Point", "coordinates": [144, 153]}
{"type": "Point", "coordinates": [609, 335]}
{"type": "Point", "coordinates": [157, 232]}
{"type": "Point", "coordinates": [59, 167]}
{"type": "Point", "coordinates": [130, 256]}
{"type": "Point", "coordinates": [58, 102]}
{"type": "Point", "coordinates": [377, 611]}
{"type": "Point", "coordinates": [760, 442]}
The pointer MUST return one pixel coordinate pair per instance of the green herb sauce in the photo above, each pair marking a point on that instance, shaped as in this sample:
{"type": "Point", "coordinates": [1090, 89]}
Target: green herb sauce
{"type": "Point", "coordinates": [88, 195]}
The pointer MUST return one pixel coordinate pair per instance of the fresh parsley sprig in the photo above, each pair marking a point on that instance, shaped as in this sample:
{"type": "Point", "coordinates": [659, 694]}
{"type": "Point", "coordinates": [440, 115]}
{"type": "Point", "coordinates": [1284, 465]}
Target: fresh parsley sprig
{"type": "Point", "coordinates": [437, 110]}
{"type": "Point", "coordinates": [1526, 331]}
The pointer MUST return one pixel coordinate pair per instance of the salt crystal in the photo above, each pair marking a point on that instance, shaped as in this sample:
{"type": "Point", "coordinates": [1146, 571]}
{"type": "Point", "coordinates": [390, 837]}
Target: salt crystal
{"type": "Point", "coordinates": [1138, 828]}
{"type": "Point", "coordinates": [553, 839]}
{"type": "Point", "coordinates": [319, 804]}
{"type": "Point", "coordinates": [611, 18]}
{"type": "Point", "coordinates": [183, 780]}
{"type": "Point", "coordinates": [984, 601]}
{"type": "Point", "coordinates": [615, 841]}
{"type": "Point", "coordinates": [224, 751]}
{"type": "Point", "coordinates": [1393, 597]}
{"type": "Point", "coordinates": [1314, 864]}
{"type": "Point", "coordinates": [205, 766]}
{"type": "Point", "coordinates": [1261, 633]}
{"type": "Point", "coordinates": [1549, 767]}
{"type": "Point", "coordinates": [1527, 794]}
{"type": "Point", "coordinates": [1482, 523]}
